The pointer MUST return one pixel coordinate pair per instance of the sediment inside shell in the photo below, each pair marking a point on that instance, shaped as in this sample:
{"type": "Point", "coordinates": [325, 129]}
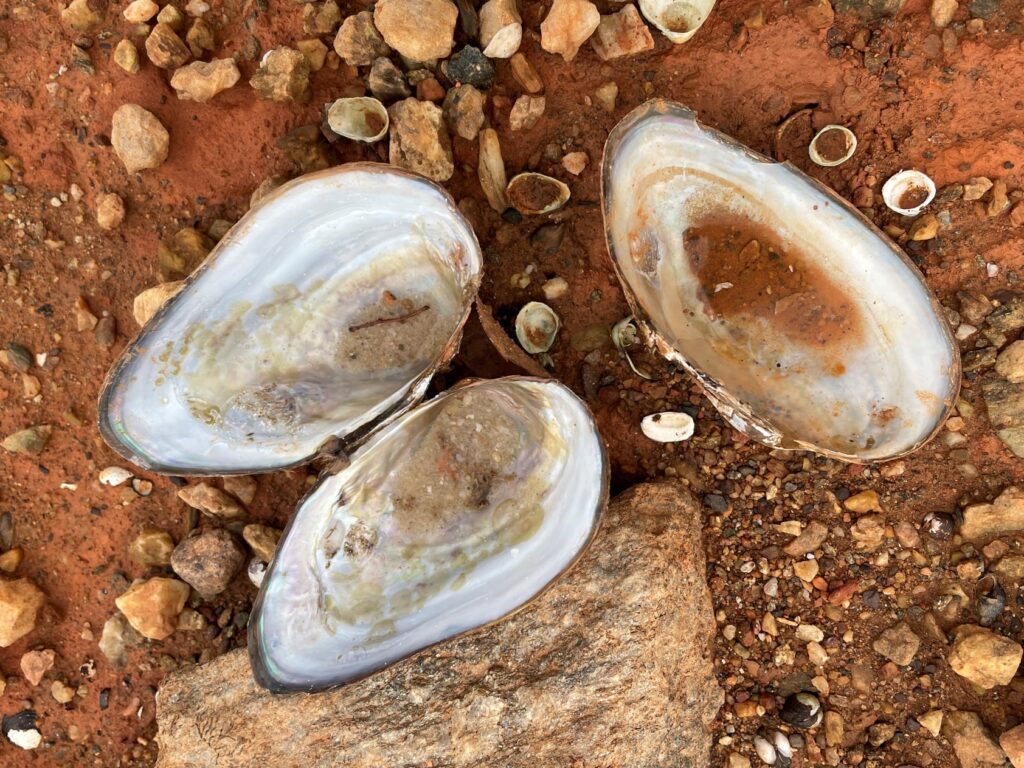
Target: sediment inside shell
{"type": "Point", "coordinates": [678, 20]}
{"type": "Point", "coordinates": [806, 326]}
{"type": "Point", "coordinates": [327, 307]}
{"type": "Point", "coordinates": [448, 519]}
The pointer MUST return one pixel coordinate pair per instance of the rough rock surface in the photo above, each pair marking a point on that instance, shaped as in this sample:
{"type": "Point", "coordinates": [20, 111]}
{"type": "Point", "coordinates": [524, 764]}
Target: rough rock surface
{"type": "Point", "coordinates": [419, 139]}
{"type": "Point", "coordinates": [973, 745]}
{"type": "Point", "coordinates": [420, 30]}
{"type": "Point", "coordinates": [985, 658]}
{"type": "Point", "coordinates": [202, 80]}
{"type": "Point", "coordinates": [139, 138]}
{"type": "Point", "coordinates": [208, 561]}
{"type": "Point", "coordinates": [611, 666]}
{"type": "Point", "coordinates": [567, 26]}
{"type": "Point", "coordinates": [20, 602]}
{"type": "Point", "coordinates": [358, 42]}
{"type": "Point", "coordinates": [1003, 516]}
{"type": "Point", "coordinates": [147, 303]}
{"type": "Point", "coordinates": [283, 76]}
{"type": "Point", "coordinates": [152, 606]}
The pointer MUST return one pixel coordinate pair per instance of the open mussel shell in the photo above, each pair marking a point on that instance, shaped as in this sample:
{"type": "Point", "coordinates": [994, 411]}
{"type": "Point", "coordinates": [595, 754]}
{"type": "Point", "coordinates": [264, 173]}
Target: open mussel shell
{"type": "Point", "coordinates": [449, 518]}
{"type": "Point", "coordinates": [678, 20]}
{"type": "Point", "coordinates": [804, 324]}
{"type": "Point", "coordinates": [360, 118]}
{"type": "Point", "coordinates": [324, 311]}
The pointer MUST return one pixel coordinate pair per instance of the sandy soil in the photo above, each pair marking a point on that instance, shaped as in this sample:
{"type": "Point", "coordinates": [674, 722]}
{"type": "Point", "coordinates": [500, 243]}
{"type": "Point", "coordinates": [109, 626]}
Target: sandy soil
{"type": "Point", "coordinates": [954, 113]}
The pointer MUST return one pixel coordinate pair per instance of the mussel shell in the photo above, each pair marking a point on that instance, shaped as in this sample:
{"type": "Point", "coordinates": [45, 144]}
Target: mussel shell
{"type": "Point", "coordinates": [405, 591]}
{"type": "Point", "coordinates": [275, 346]}
{"type": "Point", "coordinates": [876, 385]}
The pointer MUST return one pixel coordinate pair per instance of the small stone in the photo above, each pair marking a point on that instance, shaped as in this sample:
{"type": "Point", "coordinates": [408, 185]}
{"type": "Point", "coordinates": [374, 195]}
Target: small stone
{"type": "Point", "coordinates": [880, 733]}
{"type": "Point", "coordinates": [147, 303]}
{"type": "Point", "coordinates": [283, 76]}
{"type": "Point", "coordinates": [1017, 215]}
{"type": "Point", "coordinates": [1003, 516]}
{"type": "Point", "coordinates": [1011, 568]}
{"type": "Point", "coordinates": [307, 148]}
{"type": "Point", "coordinates": [525, 74]}
{"type": "Point", "coordinates": [898, 643]}
{"type": "Point", "coordinates": [501, 28]}
{"type": "Point", "coordinates": [809, 633]}
{"type": "Point", "coordinates": [321, 19]}
{"type": "Point", "coordinates": [812, 537]}
{"type": "Point", "coordinates": [931, 721]}
{"type": "Point", "coordinates": [907, 535]}
{"type": "Point", "coordinates": [17, 357]}
{"type": "Point", "coordinates": [868, 532]}
{"type": "Point", "coordinates": [208, 561]}
{"type": "Point", "coordinates": [817, 654]}
{"type": "Point", "coordinates": [113, 640]}
{"type": "Point", "coordinates": [200, 38]}
{"type": "Point", "coordinates": [11, 559]}
{"type": "Point", "coordinates": [1010, 363]}
{"type": "Point", "coordinates": [61, 692]}
{"type": "Point", "coordinates": [315, 52]}
{"type": "Point", "coordinates": [806, 570]}
{"type": "Point", "coordinates": [834, 728]}
{"type": "Point", "coordinates": [165, 49]}
{"type": "Point", "coordinates": [419, 139]}
{"type": "Point", "coordinates": [567, 26]}
{"type": "Point", "coordinates": [942, 12]}
{"type": "Point", "coordinates": [985, 658]}
{"type": "Point", "coordinates": [20, 602]}
{"type": "Point", "coordinates": [736, 760]}
{"type": "Point", "coordinates": [126, 56]}
{"type": "Point", "coordinates": [262, 539]}
{"type": "Point", "coordinates": [242, 487]}
{"type": "Point", "coordinates": [32, 440]}
{"type": "Point", "coordinates": [109, 211]}
{"type": "Point", "coordinates": [818, 14]}
{"type": "Point", "coordinates": [192, 621]}
{"type": "Point", "coordinates": [998, 202]}
{"type": "Point", "coordinates": [183, 252]}
{"type": "Point", "coordinates": [152, 548]}
{"type": "Point", "coordinates": [114, 476]}
{"type": "Point", "coordinates": [201, 80]}
{"type": "Point", "coordinates": [865, 501]}
{"type": "Point", "coordinates": [971, 742]}
{"type": "Point", "coordinates": [35, 664]}
{"type": "Point", "coordinates": [924, 228]}
{"type": "Point", "coordinates": [976, 188]}
{"type": "Point", "coordinates": [140, 11]}
{"type": "Point", "coordinates": [555, 288]}
{"type": "Point", "coordinates": [606, 96]}
{"type": "Point", "coordinates": [469, 67]}
{"type": "Point", "coordinates": [80, 17]}
{"type": "Point", "coordinates": [139, 139]}
{"type": "Point", "coordinates": [420, 30]}
{"type": "Point", "coordinates": [575, 162]}
{"type": "Point", "coordinates": [526, 112]}
{"type": "Point", "coordinates": [386, 81]}
{"type": "Point", "coordinates": [622, 34]}
{"type": "Point", "coordinates": [984, 9]}
{"type": "Point", "coordinates": [152, 606]}
{"type": "Point", "coordinates": [106, 332]}
{"type": "Point", "coordinates": [429, 89]}
{"type": "Point", "coordinates": [172, 17]}
{"type": "Point", "coordinates": [1012, 742]}
{"type": "Point", "coordinates": [212, 501]}
{"type": "Point", "coordinates": [358, 42]}
{"type": "Point", "coordinates": [464, 111]}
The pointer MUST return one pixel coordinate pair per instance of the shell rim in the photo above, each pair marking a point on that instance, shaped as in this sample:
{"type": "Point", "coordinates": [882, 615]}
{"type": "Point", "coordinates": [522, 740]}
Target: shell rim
{"type": "Point", "coordinates": [719, 396]}
{"type": "Point", "coordinates": [138, 344]}
{"type": "Point", "coordinates": [260, 672]}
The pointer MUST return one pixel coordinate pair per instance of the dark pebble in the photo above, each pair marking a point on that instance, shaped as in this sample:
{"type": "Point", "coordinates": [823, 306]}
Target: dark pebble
{"type": "Point", "coordinates": [715, 502]}
{"type": "Point", "coordinates": [469, 67]}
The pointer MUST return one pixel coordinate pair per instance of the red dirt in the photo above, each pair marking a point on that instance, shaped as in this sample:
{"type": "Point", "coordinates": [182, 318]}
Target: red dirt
{"type": "Point", "coordinates": [951, 114]}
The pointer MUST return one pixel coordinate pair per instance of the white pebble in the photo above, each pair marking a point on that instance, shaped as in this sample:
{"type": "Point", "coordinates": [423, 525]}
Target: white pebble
{"type": "Point", "coordinates": [764, 750]}
{"type": "Point", "coordinates": [29, 739]}
{"type": "Point", "coordinates": [668, 427]}
{"type": "Point", "coordinates": [114, 475]}
{"type": "Point", "coordinates": [256, 571]}
{"type": "Point", "coordinates": [555, 288]}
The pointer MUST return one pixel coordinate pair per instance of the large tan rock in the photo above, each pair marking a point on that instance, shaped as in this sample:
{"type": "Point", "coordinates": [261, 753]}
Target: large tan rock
{"type": "Point", "coordinates": [972, 744]}
{"type": "Point", "coordinates": [568, 25]}
{"type": "Point", "coordinates": [419, 139]}
{"type": "Point", "coordinates": [202, 80]}
{"type": "Point", "coordinates": [20, 601]}
{"type": "Point", "coordinates": [421, 30]}
{"type": "Point", "coordinates": [984, 657]}
{"type": "Point", "coordinates": [1004, 515]}
{"type": "Point", "coordinates": [152, 606]}
{"type": "Point", "coordinates": [139, 138]}
{"type": "Point", "coordinates": [610, 667]}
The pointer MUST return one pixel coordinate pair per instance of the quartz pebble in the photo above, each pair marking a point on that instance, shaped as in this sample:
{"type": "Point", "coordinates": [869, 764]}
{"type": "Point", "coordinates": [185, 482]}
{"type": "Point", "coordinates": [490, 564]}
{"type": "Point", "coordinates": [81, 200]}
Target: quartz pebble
{"type": "Point", "coordinates": [525, 74]}
{"type": "Point", "coordinates": [80, 17]}
{"type": "Point", "coordinates": [419, 139]}
{"type": "Point", "coordinates": [242, 487]}
{"type": "Point", "coordinates": [202, 80]}
{"type": "Point", "coordinates": [315, 52]}
{"type": "Point", "coordinates": [113, 639]}
{"type": "Point", "coordinates": [61, 692]}
{"type": "Point", "coordinates": [358, 42]}
{"type": "Point", "coordinates": [984, 657]}
{"type": "Point", "coordinates": [114, 476]}
{"type": "Point", "coordinates": [972, 744]}
{"type": "Point", "coordinates": [386, 81]}
{"type": "Point", "coordinates": [1012, 742]}
{"type": "Point", "coordinates": [139, 138]}
{"type": "Point", "coordinates": [126, 56]}
{"type": "Point", "coordinates": [501, 28]}
{"type": "Point", "coordinates": [20, 603]}
{"type": "Point", "coordinates": [147, 303]}
{"type": "Point", "coordinates": [35, 664]}
{"type": "Point", "coordinates": [942, 12]}
{"type": "Point", "coordinates": [140, 11]}
{"type": "Point", "coordinates": [152, 547]}
{"type": "Point", "coordinates": [283, 76]}
{"type": "Point", "coordinates": [526, 111]}
{"type": "Point", "coordinates": [1003, 516]}
{"type": "Point", "coordinates": [568, 25]}
{"type": "Point", "coordinates": [212, 501]}
{"type": "Point", "coordinates": [109, 210]}
{"type": "Point", "coordinates": [464, 111]}
{"type": "Point", "coordinates": [622, 34]}
{"type": "Point", "coordinates": [152, 606]}
{"type": "Point", "coordinates": [812, 537]}
{"type": "Point", "coordinates": [420, 30]}
{"type": "Point", "coordinates": [898, 643]}
{"type": "Point", "coordinates": [262, 540]}
{"type": "Point", "coordinates": [165, 49]}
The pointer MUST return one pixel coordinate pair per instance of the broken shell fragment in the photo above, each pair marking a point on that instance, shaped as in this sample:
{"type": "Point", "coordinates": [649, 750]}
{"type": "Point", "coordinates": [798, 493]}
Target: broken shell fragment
{"type": "Point", "coordinates": [908, 192]}
{"type": "Point", "coordinates": [625, 335]}
{"type": "Point", "coordinates": [323, 312]}
{"type": "Point", "coordinates": [378, 564]}
{"type": "Point", "coordinates": [114, 476]}
{"type": "Point", "coordinates": [668, 427]}
{"type": "Point", "coordinates": [361, 118]}
{"type": "Point", "coordinates": [832, 145]}
{"type": "Point", "coordinates": [678, 20]}
{"type": "Point", "coordinates": [827, 339]}
{"type": "Point", "coordinates": [536, 327]}
{"type": "Point", "coordinates": [534, 194]}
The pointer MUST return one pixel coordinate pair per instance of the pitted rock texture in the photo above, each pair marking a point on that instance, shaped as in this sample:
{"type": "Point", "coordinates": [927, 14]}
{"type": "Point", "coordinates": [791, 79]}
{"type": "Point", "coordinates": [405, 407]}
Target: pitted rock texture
{"type": "Point", "coordinates": [610, 667]}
